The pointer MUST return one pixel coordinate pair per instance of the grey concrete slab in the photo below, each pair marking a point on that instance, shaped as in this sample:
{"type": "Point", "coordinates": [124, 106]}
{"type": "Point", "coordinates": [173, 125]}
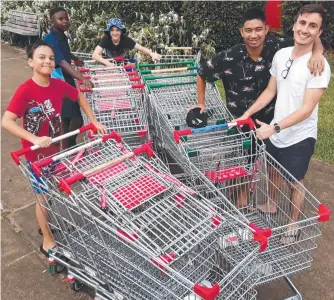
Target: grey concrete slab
{"type": "Point", "coordinates": [24, 272]}
{"type": "Point", "coordinates": [13, 247]}
{"type": "Point", "coordinates": [9, 52]}
{"type": "Point", "coordinates": [15, 188]}
{"type": "Point", "coordinates": [24, 220]}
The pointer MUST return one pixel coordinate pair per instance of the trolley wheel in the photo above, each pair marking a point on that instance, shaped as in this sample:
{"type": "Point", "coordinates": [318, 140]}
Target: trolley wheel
{"type": "Point", "coordinates": [58, 268]}
{"type": "Point", "coordinates": [76, 285]}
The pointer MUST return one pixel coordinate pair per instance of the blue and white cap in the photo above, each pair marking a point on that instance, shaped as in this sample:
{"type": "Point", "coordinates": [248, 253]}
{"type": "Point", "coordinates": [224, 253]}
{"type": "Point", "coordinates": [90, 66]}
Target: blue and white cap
{"type": "Point", "coordinates": [114, 22]}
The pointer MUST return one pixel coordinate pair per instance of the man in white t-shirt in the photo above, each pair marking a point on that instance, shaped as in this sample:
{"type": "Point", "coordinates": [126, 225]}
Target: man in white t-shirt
{"type": "Point", "coordinates": [293, 131]}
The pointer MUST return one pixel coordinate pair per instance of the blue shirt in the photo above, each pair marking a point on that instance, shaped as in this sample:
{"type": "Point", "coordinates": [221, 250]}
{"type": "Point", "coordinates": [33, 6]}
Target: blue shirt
{"type": "Point", "coordinates": [59, 42]}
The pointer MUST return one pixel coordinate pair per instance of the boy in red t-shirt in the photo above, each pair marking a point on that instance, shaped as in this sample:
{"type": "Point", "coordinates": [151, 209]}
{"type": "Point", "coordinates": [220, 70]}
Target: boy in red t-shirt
{"type": "Point", "coordinates": [38, 101]}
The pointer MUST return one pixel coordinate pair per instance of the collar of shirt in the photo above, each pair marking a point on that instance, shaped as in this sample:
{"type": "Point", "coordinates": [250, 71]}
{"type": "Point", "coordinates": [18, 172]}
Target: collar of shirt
{"type": "Point", "coordinates": [245, 53]}
{"type": "Point", "coordinates": [59, 34]}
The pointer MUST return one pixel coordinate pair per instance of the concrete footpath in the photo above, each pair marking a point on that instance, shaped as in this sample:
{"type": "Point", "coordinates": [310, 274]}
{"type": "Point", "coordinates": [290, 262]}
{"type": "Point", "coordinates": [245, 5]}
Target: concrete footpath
{"type": "Point", "coordinates": [24, 269]}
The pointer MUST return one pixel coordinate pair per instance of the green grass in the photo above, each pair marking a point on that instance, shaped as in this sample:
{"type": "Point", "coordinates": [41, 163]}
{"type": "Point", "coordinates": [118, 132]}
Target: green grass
{"type": "Point", "coordinates": [324, 149]}
{"type": "Point", "coordinates": [330, 60]}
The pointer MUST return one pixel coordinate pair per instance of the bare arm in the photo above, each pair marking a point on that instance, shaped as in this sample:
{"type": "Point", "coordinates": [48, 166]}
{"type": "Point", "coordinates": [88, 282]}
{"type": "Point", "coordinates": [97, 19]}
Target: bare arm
{"type": "Point", "coordinates": [97, 55]}
{"type": "Point", "coordinates": [74, 73]}
{"type": "Point", "coordinates": [201, 84]}
{"type": "Point", "coordinates": [311, 99]}
{"type": "Point", "coordinates": [70, 70]}
{"type": "Point", "coordinates": [73, 57]}
{"type": "Point", "coordinates": [9, 123]}
{"type": "Point", "coordinates": [264, 99]}
{"type": "Point", "coordinates": [316, 62]}
{"type": "Point", "coordinates": [154, 56]}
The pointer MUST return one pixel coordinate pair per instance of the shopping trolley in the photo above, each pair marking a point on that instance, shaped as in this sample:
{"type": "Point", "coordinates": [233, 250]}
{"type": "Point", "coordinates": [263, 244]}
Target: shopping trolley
{"type": "Point", "coordinates": [163, 244]}
{"type": "Point", "coordinates": [103, 70]}
{"type": "Point", "coordinates": [114, 81]}
{"type": "Point", "coordinates": [179, 69]}
{"type": "Point", "coordinates": [168, 106]}
{"type": "Point", "coordinates": [163, 65]}
{"type": "Point", "coordinates": [172, 54]}
{"type": "Point", "coordinates": [170, 78]}
{"type": "Point", "coordinates": [83, 55]}
{"type": "Point", "coordinates": [89, 62]}
{"type": "Point", "coordinates": [237, 164]}
{"type": "Point", "coordinates": [110, 75]}
{"type": "Point", "coordinates": [121, 108]}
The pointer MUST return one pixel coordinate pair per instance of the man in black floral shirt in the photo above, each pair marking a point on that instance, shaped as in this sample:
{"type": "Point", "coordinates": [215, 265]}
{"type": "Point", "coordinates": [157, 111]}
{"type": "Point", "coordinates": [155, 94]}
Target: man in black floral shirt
{"type": "Point", "coordinates": [244, 68]}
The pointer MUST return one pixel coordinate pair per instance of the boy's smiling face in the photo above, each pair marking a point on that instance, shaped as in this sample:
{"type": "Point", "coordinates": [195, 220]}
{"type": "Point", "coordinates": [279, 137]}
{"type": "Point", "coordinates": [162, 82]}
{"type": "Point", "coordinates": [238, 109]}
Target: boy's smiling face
{"type": "Point", "coordinates": [115, 33]}
{"type": "Point", "coordinates": [61, 21]}
{"type": "Point", "coordinates": [43, 61]}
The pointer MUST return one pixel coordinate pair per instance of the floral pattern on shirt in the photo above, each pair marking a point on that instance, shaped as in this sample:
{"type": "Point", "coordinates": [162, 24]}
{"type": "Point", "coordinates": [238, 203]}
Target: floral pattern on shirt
{"type": "Point", "coordinates": [244, 79]}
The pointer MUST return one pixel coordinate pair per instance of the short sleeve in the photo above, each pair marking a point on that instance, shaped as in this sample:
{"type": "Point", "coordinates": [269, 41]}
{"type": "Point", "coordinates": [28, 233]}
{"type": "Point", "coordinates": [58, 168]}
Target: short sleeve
{"type": "Point", "coordinates": [213, 69]}
{"type": "Point", "coordinates": [273, 69]}
{"type": "Point", "coordinates": [104, 42]}
{"type": "Point", "coordinates": [70, 92]}
{"type": "Point", "coordinates": [18, 104]}
{"type": "Point", "coordinates": [322, 81]}
{"type": "Point", "coordinates": [53, 42]}
{"type": "Point", "coordinates": [129, 43]}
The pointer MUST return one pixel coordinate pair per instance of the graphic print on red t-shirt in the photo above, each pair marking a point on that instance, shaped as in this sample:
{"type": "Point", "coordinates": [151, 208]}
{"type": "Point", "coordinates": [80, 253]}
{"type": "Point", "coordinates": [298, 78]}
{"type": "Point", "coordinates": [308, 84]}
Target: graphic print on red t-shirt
{"type": "Point", "coordinates": [37, 113]}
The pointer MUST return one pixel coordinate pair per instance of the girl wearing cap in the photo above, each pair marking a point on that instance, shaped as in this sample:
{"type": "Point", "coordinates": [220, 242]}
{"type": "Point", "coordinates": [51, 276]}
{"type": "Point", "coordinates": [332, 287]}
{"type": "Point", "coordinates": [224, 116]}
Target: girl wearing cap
{"type": "Point", "coordinates": [116, 43]}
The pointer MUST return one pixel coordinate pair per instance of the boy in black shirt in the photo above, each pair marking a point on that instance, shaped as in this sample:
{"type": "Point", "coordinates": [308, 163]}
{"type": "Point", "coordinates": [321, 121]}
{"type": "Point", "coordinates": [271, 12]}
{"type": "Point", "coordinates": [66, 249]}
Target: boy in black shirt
{"type": "Point", "coordinates": [116, 43]}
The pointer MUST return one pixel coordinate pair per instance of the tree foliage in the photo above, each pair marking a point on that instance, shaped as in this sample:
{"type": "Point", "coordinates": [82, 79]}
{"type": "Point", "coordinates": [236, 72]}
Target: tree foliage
{"type": "Point", "coordinates": [290, 10]}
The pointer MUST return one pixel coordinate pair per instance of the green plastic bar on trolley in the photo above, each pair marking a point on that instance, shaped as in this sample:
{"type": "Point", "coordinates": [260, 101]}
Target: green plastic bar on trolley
{"type": "Point", "coordinates": [194, 74]}
{"type": "Point", "coordinates": [182, 63]}
{"type": "Point", "coordinates": [160, 85]}
{"type": "Point", "coordinates": [143, 72]}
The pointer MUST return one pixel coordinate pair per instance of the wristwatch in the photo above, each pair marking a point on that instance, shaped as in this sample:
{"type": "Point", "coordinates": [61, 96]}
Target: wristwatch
{"type": "Point", "coordinates": [277, 128]}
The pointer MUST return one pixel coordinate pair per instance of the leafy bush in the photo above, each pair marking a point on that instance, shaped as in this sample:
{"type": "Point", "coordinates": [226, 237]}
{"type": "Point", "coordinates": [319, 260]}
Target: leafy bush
{"type": "Point", "coordinates": [289, 12]}
{"type": "Point", "coordinates": [151, 24]}
{"type": "Point", "coordinates": [221, 18]}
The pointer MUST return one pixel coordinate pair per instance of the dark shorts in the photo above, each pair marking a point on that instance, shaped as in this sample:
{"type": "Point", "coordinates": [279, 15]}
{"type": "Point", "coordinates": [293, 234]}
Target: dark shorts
{"type": "Point", "coordinates": [295, 159]}
{"type": "Point", "coordinates": [70, 109]}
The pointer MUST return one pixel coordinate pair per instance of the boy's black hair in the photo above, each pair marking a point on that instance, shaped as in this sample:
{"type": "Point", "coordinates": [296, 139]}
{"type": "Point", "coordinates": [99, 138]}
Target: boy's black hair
{"type": "Point", "coordinates": [32, 47]}
{"type": "Point", "coordinates": [55, 10]}
{"type": "Point", "coordinates": [313, 8]}
{"type": "Point", "coordinates": [253, 13]}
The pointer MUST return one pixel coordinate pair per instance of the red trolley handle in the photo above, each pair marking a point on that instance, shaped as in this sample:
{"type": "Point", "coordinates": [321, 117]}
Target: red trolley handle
{"type": "Point", "coordinates": [85, 70]}
{"type": "Point", "coordinates": [133, 86]}
{"type": "Point", "coordinates": [16, 154]}
{"type": "Point", "coordinates": [36, 166]}
{"type": "Point", "coordinates": [118, 58]}
{"type": "Point", "coordinates": [65, 183]}
{"type": "Point", "coordinates": [132, 73]}
{"type": "Point", "coordinates": [134, 78]}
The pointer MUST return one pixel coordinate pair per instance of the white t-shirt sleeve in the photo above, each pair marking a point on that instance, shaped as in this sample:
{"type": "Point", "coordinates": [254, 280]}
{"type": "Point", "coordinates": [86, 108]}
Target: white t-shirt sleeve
{"type": "Point", "coordinates": [273, 69]}
{"type": "Point", "coordinates": [322, 81]}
